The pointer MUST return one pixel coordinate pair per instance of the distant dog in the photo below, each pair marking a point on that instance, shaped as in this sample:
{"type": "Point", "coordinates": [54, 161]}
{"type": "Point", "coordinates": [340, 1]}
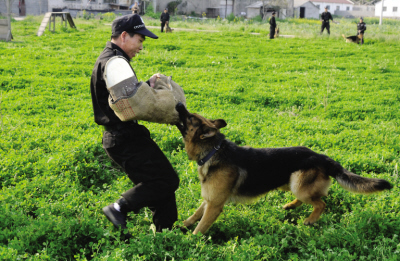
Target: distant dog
{"type": "Point", "coordinates": [276, 32]}
{"type": "Point", "coordinates": [167, 28]}
{"type": "Point", "coordinates": [228, 172]}
{"type": "Point", "coordinates": [353, 39]}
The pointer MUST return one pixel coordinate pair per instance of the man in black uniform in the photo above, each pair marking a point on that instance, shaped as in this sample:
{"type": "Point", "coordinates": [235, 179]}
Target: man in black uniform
{"type": "Point", "coordinates": [272, 26]}
{"type": "Point", "coordinates": [128, 143]}
{"type": "Point", "coordinates": [361, 28]}
{"type": "Point", "coordinates": [325, 17]}
{"type": "Point", "coordinates": [164, 19]}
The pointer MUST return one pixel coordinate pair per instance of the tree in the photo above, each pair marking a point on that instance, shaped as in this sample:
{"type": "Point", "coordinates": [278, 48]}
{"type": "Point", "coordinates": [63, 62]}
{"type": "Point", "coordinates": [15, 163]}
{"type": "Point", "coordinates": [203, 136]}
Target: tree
{"type": "Point", "coordinates": [9, 3]}
{"type": "Point", "coordinates": [278, 4]}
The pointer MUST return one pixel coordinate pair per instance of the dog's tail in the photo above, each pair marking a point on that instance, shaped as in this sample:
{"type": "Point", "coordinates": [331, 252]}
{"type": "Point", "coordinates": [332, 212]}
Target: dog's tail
{"type": "Point", "coordinates": [344, 37]}
{"type": "Point", "coordinates": [355, 183]}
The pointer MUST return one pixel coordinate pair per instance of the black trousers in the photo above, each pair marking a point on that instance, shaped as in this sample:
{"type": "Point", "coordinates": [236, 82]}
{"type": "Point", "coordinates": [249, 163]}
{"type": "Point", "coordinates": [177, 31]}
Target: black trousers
{"type": "Point", "coordinates": [147, 167]}
{"type": "Point", "coordinates": [162, 26]}
{"type": "Point", "coordinates": [272, 32]}
{"type": "Point", "coordinates": [327, 26]}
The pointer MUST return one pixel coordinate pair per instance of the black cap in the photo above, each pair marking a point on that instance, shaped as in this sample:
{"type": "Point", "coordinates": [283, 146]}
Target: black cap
{"type": "Point", "coordinates": [361, 18]}
{"type": "Point", "coordinates": [132, 23]}
{"type": "Point", "coordinates": [273, 13]}
{"type": "Point", "coordinates": [326, 7]}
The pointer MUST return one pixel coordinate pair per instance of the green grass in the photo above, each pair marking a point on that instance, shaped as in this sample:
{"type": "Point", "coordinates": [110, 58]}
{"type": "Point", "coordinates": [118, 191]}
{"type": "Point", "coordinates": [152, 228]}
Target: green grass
{"type": "Point", "coordinates": [336, 98]}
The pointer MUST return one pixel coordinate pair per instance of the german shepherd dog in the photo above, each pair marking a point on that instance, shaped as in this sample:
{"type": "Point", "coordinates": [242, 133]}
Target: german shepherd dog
{"type": "Point", "coordinates": [167, 28]}
{"type": "Point", "coordinates": [353, 39]}
{"type": "Point", "coordinates": [276, 32]}
{"type": "Point", "coordinates": [228, 172]}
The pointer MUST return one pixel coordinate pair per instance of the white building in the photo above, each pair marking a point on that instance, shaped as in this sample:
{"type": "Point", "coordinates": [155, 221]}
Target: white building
{"type": "Point", "coordinates": [254, 9]}
{"type": "Point", "coordinates": [305, 9]}
{"type": "Point", "coordinates": [89, 4]}
{"type": "Point", "coordinates": [390, 8]}
{"type": "Point", "coordinates": [358, 11]}
{"type": "Point", "coordinates": [333, 5]}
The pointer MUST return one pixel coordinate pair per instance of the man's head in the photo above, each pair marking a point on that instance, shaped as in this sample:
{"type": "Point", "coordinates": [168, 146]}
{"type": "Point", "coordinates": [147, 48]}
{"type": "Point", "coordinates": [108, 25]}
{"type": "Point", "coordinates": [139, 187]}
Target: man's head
{"type": "Point", "coordinates": [326, 9]}
{"type": "Point", "coordinates": [273, 13]}
{"type": "Point", "coordinates": [361, 19]}
{"type": "Point", "coordinates": [165, 10]}
{"type": "Point", "coordinates": [129, 32]}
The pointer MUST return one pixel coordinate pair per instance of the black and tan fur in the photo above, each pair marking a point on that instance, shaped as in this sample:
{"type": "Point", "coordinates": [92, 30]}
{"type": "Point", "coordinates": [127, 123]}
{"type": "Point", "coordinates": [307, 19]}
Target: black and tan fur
{"type": "Point", "coordinates": [276, 32]}
{"type": "Point", "coordinates": [242, 174]}
{"type": "Point", "coordinates": [353, 39]}
{"type": "Point", "coordinates": [167, 28]}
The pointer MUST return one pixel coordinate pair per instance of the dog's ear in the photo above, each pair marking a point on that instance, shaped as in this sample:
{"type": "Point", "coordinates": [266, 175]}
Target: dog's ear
{"type": "Point", "coordinates": [208, 132]}
{"type": "Point", "coordinates": [220, 123]}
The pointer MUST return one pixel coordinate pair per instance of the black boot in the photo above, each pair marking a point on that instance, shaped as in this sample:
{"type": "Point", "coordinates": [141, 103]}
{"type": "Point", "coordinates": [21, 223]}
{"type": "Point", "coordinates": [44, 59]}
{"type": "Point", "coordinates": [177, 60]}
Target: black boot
{"type": "Point", "coordinates": [118, 218]}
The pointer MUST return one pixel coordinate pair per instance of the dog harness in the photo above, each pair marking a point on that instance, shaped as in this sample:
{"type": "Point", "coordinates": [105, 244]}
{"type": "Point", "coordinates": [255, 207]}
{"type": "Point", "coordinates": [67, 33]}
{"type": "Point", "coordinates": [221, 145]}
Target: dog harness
{"type": "Point", "coordinates": [210, 154]}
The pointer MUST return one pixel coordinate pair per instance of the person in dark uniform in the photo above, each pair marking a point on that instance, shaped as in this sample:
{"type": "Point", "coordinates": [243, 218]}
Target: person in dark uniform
{"type": "Point", "coordinates": [164, 19]}
{"type": "Point", "coordinates": [325, 17]}
{"type": "Point", "coordinates": [128, 143]}
{"type": "Point", "coordinates": [272, 26]}
{"type": "Point", "coordinates": [361, 28]}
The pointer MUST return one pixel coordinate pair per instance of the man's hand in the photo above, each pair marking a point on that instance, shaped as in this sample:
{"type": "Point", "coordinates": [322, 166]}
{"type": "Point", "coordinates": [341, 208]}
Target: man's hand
{"type": "Point", "coordinates": [153, 79]}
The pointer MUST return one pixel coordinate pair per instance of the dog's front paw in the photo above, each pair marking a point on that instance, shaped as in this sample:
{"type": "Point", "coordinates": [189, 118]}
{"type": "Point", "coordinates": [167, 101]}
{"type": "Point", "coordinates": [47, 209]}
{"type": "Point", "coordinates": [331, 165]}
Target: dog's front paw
{"type": "Point", "coordinates": [309, 221]}
{"type": "Point", "coordinates": [179, 106]}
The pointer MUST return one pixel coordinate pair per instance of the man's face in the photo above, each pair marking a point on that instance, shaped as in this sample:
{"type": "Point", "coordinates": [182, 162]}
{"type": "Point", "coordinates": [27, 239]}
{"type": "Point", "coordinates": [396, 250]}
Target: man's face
{"type": "Point", "coordinates": [132, 45]}
{"type": "Point", "coordinates": [326, 9]}
{"type": "Point", "coordinates": [165, 11]}
{"type": "Point", "coordinates": [361, 20]}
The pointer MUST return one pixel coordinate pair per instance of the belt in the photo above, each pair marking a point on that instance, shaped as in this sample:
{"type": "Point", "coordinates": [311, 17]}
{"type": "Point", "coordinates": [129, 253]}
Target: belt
{"type": "Point", "coordinates": [120, 126]}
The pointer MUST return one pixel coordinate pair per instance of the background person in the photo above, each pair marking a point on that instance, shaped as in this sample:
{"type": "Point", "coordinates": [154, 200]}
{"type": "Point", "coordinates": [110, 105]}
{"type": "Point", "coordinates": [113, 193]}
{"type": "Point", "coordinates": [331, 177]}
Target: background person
{"type": "Point", "coordinates": [325, 17]}
{"type": "Point", "coordinates": [272, 26]}
{"type": "Point", "coordinates": [128, 143]}
{"type": "Point", "coordinates": [361, 28]}
{"type": "Point", "coordinates": [164, 19]}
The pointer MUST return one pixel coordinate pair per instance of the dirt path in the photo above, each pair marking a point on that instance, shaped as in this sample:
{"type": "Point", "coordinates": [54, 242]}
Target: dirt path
{"type": "Point", "coordinates": [186, 29]}
{"type": "Point", "coordinates": [207, 31]}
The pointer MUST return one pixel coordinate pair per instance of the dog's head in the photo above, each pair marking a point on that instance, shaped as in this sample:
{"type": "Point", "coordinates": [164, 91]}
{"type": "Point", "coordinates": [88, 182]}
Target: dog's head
{"type": "Point", "coordinates": [197, 130]}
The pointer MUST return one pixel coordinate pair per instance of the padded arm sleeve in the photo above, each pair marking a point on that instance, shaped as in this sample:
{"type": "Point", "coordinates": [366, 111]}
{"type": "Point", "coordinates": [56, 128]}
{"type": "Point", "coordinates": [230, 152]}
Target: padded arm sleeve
{"type": "Point", "coordinates": [139, 101]}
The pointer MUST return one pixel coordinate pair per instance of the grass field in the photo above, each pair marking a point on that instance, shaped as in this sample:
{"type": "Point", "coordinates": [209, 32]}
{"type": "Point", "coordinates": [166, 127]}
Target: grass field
{"type": "Point", "coordinates": [336, 98]}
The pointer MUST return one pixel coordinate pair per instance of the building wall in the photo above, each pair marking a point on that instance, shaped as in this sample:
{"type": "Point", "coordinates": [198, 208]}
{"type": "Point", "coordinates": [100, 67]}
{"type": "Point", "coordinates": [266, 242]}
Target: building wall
{"type": "Point", "coordinates": [14, 8]}
{"type": "Point", "coordinates": [79, 4]}
{"type": "Point", "coordinates": [36, 7]}
{"type": "Point", "coordinates": [358, 11]}
{"type": "Point", "coordinates": [332, 7]}
{"type": "Point", "coordinates": [200, 6]}
{"type": "Point", "coordinates": [252, 12]}
{"type": "Point", "coordinates": [33, 7]}
{"type": "Point", "coordinates": [290, 8]}
{"type": "Point", "coordinates": [311, 11]}
{"type": "Point", "coordinates": [189, 6]}
{"type": "Point", "coordinates": [390, 5]}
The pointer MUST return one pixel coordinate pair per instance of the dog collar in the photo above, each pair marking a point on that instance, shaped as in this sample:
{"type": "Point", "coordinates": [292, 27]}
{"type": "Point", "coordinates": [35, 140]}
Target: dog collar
{"type": "Point", "coordinates": [210, 154]}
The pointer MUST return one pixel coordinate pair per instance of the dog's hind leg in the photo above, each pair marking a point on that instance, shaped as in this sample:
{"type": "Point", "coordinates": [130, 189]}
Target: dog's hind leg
{"type": "Point", "coordinates": [211, 214]}
{"type": "Point", "coordinates": [319, 207]}
{"type": "Point", "coordinates": [292, 205]}
{"type": "Point", "coordinates": [309, 186]}
{"type": "Point", "coordinates": [196, 216]}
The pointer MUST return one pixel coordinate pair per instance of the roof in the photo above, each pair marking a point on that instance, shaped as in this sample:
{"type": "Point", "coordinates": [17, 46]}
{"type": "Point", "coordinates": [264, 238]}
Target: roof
{"type": "Point", "coordinates": [298, 3]}
{"type": "Point", "coordinates": [333, 1]}
{"type": "Point", "coordinates": [255, 5]}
